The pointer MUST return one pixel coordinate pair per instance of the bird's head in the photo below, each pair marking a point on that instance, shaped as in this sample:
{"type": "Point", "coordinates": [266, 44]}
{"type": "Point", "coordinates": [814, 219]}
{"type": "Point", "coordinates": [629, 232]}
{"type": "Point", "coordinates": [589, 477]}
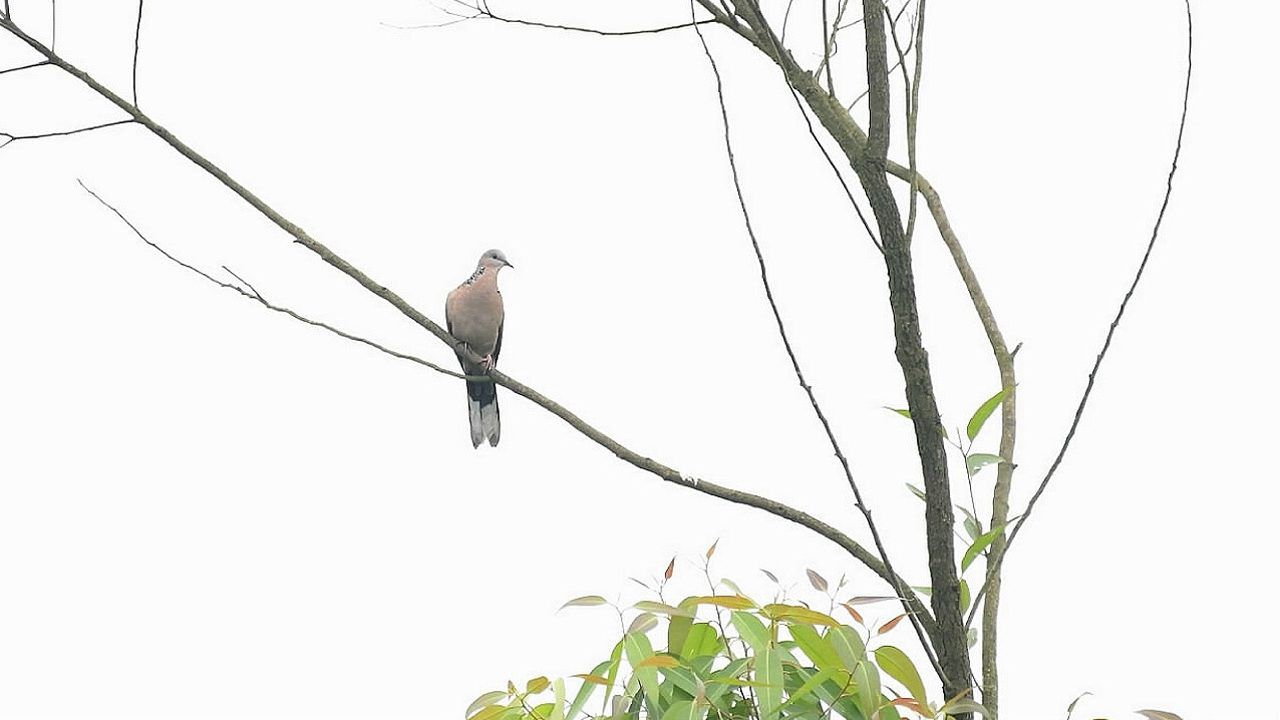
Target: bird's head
{"type": "Point", "coordinates": [494, 259]}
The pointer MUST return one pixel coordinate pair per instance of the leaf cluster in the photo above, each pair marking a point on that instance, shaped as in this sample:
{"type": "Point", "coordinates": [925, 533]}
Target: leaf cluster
{"type": "Point", "coordinates": [725, 656]}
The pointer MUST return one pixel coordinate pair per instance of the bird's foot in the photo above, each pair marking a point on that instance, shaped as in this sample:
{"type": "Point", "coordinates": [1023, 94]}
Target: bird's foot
{"type": "Point", "coordinates": [486, 363]}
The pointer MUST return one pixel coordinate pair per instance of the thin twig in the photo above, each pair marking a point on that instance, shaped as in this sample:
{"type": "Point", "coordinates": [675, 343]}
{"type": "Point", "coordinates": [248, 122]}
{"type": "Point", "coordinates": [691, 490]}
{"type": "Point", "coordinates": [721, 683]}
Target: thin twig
{"type": "Point", "coordinates": [42, 63]}
{"type": "Point", "coordinates": [996, 562]}
{"type": "Point", "coordinates": [904, 592]}
{"type": "Point", "coordinates": [137, 44]}
{"type": "Point", "coordinates": [10, 138]}
{"type": "Point", "coordinates": [53, 25]}
{"type": "Point", "coordinates": [254, 295]}
{"type": "Point", "coordinates": [486, 12]}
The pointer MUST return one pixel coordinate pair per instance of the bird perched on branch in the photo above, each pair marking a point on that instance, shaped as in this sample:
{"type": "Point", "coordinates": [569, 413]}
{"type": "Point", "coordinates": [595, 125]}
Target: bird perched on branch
{"type": "Point", "coordinates": [473, 314]}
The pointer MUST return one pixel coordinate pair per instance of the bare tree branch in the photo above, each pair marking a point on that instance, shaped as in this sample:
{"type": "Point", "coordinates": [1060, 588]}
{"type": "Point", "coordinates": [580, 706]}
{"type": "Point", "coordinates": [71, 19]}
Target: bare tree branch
{"type": "Point", "coordinates": [996, 561]}
{"type": "Point", "coordinates": [637, 460]}
{"type": "Point", "coordinates": [911, 604]}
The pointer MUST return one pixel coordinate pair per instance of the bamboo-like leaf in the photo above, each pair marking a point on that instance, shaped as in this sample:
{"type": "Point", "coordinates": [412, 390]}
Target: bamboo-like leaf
{"type": "Point", "coordinates": [964, 596]}
{"type": "Point", "coordinates": [979, 545]}
{"type": "Point", "coordinates": [982, 413]}
{"type": "Point", "coordinates": [751, 630]}
{"type": "Point", "coordinates": [779, 611]}
{"type": "Point", "coordinates": [589, 678]}
{"type": "Point", "coordinates": [1158, 715]}
{"type": "Point", "coordinates": [671, 569]}
{"type": "Point", "coordinates": [807, 687]}
{"type": "Point", "coordinates": [643, 623]}
{"type": "Point", "coordinates": [557, 708]}
{"type": "Point", "coordinates": [491, 712]}
{"type": "Point", "coordinates": [678, 628]}
{"type": "Point", "coordinates": [918, 492]}
{"type": "Point", "coordinates": [913, 706]}
{"type": "Point", "coordinates": [848, 645]}
{"type": "Point", "coordinates": [537, 685]}
{"type": "Point", "coordinates": [662, 609]}
{"type": "Point", "coordinates": [1071, 709]}
{"type": "Point", "coordinates": [585, 601]}
{"type": "Point", "coordinates": [818, 582]}
{"type": "Point", "coordinates": [712, 550]}
{"type": "Point", "coordinates": [964, 705]}
{"type": "Point", "coordinates": [977, 461]}
{"type": "Point", "coordinates": [853, 613]}
{"type": "Point", "coordinates": [898, 666]}
{"type": "Point", "coordinates": [736, 590]}
{"type": "Point", "coordinates": [890, 625]}
{"type": "Point", "coordinates": [815, 647]}
{"type": "Point", "coordinates": [769, 575]}
{"type": "Point", "coordinates": [615, 662]}
{"type": "Point", "coordinates": [485, 700]}
{"type": "Point", "coordinates": [682, 678]}
{"type": "Point", "coordinates": [658, 661]}
{"type": "Point", "coordinates": [638, 650]}
{"type": "Point", "coordinates": [684, 710]}
{"type": "Point", "coordinates": [702, 640]}
{"type": "Point", "coordinates": [769, 677]}
{"type": "Point", "coordinates": [868, 599]}
{"type": "Point", "coordinates": [731, 602]}
{"type": "Point", "coordinates": [901, 411]}
{"type": "Point", "coordinates": [867, 680]}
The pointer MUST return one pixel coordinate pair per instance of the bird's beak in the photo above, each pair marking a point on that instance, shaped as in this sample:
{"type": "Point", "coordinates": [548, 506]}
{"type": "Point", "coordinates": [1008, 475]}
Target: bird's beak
{"type": "Point", "coordinates": [504, 262]}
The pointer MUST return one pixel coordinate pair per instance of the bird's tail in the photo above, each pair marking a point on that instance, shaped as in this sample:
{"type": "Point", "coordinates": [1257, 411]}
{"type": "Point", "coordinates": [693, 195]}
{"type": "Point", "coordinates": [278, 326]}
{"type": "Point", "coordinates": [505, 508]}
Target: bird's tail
{"type": "Point", "coordinates": [482, 407]}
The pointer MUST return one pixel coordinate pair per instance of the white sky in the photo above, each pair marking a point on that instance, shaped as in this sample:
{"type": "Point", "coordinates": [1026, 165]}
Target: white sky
{"type": "Point", "coordinates": [209, 510]}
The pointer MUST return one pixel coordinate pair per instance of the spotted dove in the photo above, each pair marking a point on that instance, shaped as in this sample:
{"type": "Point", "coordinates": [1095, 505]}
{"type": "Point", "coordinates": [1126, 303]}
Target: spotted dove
{"type": "Point", "coordinates": [473, 314]}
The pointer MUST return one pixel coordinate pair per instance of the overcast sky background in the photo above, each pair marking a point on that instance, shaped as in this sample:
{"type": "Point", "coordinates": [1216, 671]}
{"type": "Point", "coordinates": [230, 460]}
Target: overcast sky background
{"type": "Point", "coordinates": [210, 510]}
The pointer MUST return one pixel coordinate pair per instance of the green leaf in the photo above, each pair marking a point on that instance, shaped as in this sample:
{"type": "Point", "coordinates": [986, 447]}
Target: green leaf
{"type": "Point", "coordinates": [490, 713]}
{"type": "Point", "coordinates": [977, 461]}
{"type": "Point", "coordinates": [751, 630]}
{"type": "Point", "coordinates": [867, 679]}
{"type": "Point", "coordinates": [643, 623]}
{"type": "Point", "coordinates": [662, 609]}
{"type": "Point", "coordinates": [898, 666]}
{"type": "Point", "coordinates": [658, 661]}
{"type": "Point", "coordinates": [732, 602]}
{"type": "Point", "coordinates": [677, 631]}
{"type": "Point", "coordinates": [1158, 715]}
{"type": "Point", "coordinates": [490, 698]}
{"type": "Point", "coordinates": [819, 651]}
{"type": "Point", "coordinates": [982, 413]}
{"type": "Point", "coordinates": [615, 662]}
{"type": "Point", "coordinates": [808, 687]}
{"type": "Point", "coordinates": [638, 650]}
{"type": "Point", "coordinates": [848, 646]}
{"type": "Point", "coordinates": [964, 705]}
{"type": "Point", "coordinates": [537, 685]}
{"type": "Point", "coordinates": [701, 641]}
{"type": "Point", "coordinates": [557, 709]}
{"type": "Point", "coordinates": [901, 411]}
{"type": "Point", "coordinates": [964, 596]}
{"type": "Point", "coordinates": [684, 710]}
{"type": "Point", "coordinates": [682, 678]}
{"type": "Point", "coordinates": [590, 681]}
{"type": "Point", "coordinates": [779, 611]}
{"type": "Point", "coordinates": [972, 528]}
{"type": "Point", "coordinates": [917, 492]}
{"type": "Point", "coordinates": [979, 545]}
{"type": "Point", "coordinates": [585, 601]}
{"type": "Point", "coordinates": [769, 677]}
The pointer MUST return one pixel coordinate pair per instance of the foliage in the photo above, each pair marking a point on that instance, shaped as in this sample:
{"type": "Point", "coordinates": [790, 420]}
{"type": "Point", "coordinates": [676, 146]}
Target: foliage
{"type": "Point", "coordinates": [724, 656]}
